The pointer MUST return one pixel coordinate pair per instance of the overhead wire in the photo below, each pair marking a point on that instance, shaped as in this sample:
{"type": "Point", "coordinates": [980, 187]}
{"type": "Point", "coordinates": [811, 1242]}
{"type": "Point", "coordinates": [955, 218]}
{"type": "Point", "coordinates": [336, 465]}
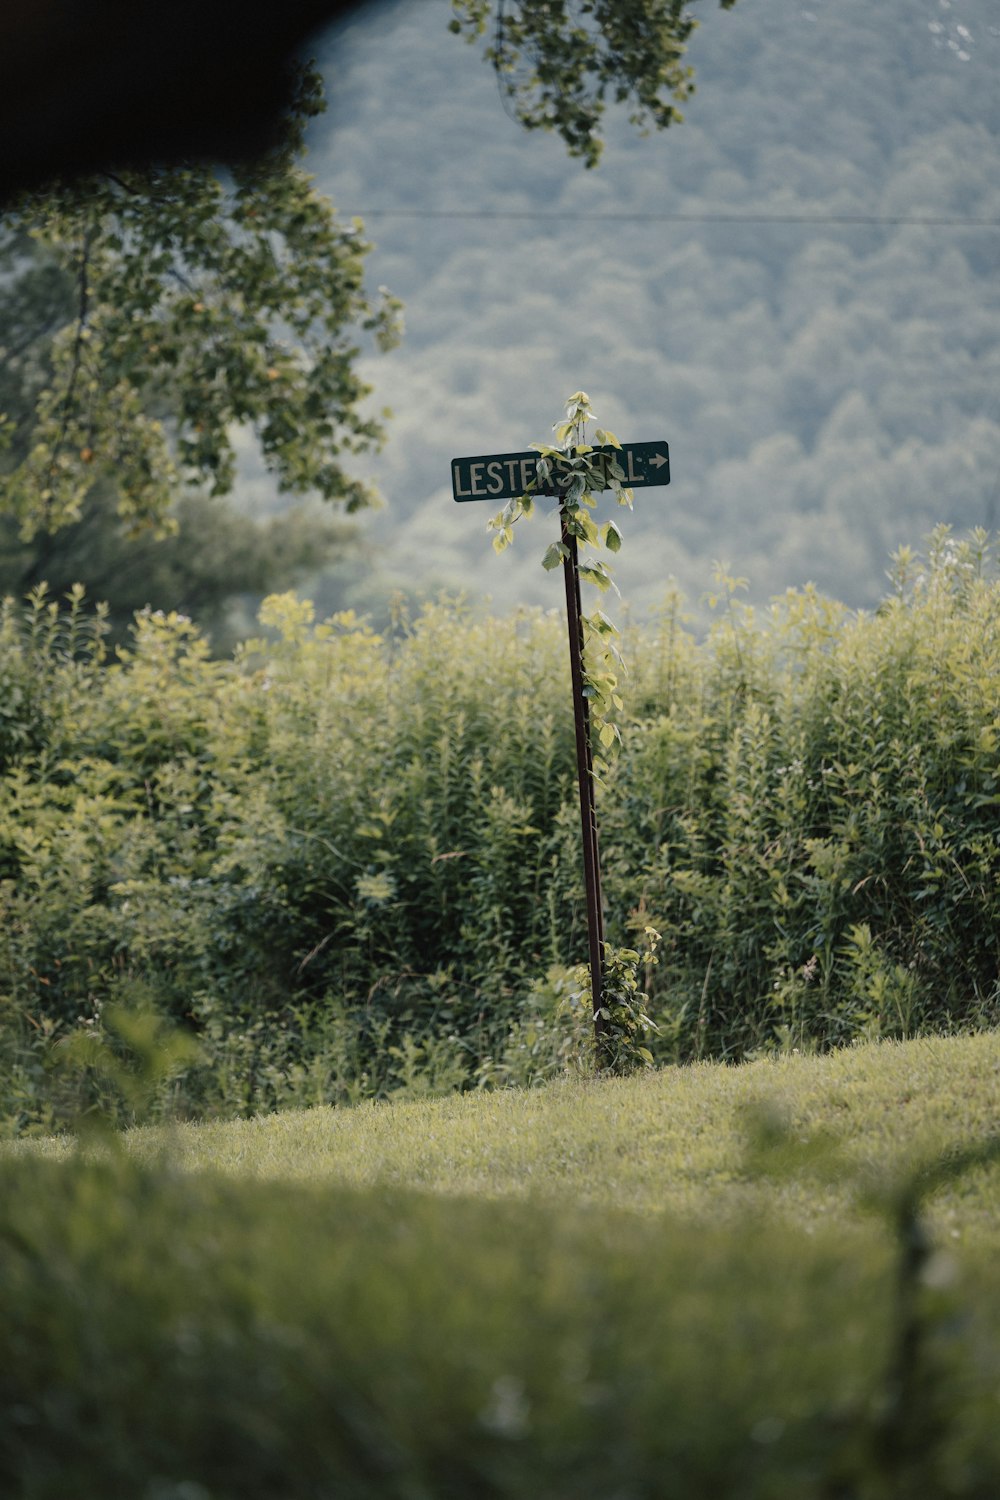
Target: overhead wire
{"type": "Point", "coordinates": [635, 216]}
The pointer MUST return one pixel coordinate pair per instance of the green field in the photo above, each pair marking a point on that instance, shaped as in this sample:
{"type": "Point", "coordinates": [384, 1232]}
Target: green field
{"type": "Point", "coordinates": [672, 1141]}
{"type": "Point", "coordinates": [704, 1281]}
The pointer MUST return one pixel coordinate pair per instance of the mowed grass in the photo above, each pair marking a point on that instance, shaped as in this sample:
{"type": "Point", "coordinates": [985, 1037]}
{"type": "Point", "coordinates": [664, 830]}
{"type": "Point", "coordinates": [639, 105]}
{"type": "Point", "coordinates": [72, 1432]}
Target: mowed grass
{"type": "Point", "coordinates": [682, 1140]}
{"type": "Point", "coordinates": [686, 1284]}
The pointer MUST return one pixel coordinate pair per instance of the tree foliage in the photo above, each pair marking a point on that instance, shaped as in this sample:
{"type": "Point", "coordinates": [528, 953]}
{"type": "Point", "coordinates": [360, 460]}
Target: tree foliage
{"type": "Point", "coordinates": [212, 556]}
{"type": "Point", "coordinates": [148, 313]}
{"type": "Point", "coordinates": [560, 61]}
{"type": "Point", "coordinates": [147, 316]}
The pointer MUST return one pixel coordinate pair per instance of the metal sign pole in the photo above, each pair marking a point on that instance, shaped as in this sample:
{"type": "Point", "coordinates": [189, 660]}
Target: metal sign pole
{"type": "Point", "coordinates": [506, 476]}
{"type": "Point", "coordinates": [585, 777]}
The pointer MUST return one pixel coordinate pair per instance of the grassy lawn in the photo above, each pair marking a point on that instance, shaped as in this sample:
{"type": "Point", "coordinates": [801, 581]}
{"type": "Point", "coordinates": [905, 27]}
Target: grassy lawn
{"type": "Point", "coordinates": [686, 1284]}
{"type": "Point", "coordinates": [681, 1140]}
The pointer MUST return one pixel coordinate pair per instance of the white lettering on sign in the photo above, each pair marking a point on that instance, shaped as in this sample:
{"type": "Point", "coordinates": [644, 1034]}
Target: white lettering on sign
{"type": "Point", "coordinates": [496, 476]}
{"type": "Point", "coordinates": [456, 480]}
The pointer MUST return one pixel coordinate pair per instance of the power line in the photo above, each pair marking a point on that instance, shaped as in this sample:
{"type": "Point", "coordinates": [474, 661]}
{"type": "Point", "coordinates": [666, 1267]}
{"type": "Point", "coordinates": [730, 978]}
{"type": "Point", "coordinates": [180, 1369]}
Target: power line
{"type": "Point", "coordinates": [630, 216]}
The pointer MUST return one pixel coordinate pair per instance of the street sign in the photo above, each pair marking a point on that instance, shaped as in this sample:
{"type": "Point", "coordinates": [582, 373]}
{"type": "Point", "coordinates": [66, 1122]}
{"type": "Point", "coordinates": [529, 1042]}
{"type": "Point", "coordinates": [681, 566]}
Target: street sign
{"type": "Point", "coordinates": [505, 476]}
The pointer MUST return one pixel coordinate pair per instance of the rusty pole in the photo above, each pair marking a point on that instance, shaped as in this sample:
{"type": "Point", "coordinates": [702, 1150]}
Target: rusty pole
{"type": "Point", "coordinates": [585, 777]}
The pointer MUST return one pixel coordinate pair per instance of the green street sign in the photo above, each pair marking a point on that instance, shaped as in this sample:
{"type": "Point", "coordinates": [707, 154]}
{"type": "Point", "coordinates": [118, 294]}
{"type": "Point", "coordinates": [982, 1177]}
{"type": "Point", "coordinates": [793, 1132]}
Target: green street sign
{"type": "Point", "coordinates": [505, 476]}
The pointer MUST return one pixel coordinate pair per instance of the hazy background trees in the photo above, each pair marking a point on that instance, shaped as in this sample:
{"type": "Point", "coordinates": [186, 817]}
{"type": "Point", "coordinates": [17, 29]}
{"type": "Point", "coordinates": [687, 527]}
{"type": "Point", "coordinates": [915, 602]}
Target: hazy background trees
{"type": "Point", "coordinates": [795, 288]}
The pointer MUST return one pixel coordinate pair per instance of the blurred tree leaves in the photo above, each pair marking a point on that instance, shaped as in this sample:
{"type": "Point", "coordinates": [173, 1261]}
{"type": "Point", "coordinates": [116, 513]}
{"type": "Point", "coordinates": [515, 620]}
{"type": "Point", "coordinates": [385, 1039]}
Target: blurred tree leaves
{"type": "Point", "coordinates": [558, 63]}
{"type": "Point", "coordinates": [212, 556]}
{"type": "Point", "coordinates": [144, 318]}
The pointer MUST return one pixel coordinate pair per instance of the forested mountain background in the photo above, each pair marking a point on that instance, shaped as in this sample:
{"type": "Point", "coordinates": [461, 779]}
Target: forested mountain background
{"type": "Point", "coordinates": [797, 287]}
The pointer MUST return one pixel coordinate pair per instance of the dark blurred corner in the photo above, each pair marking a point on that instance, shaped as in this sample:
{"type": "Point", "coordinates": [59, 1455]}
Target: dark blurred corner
{"type": "Point", "coordinates": [91, 84]}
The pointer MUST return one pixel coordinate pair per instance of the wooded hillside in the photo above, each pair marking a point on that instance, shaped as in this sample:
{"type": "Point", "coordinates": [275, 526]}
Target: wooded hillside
{"type": "Point", "coordinates": [794, 287]}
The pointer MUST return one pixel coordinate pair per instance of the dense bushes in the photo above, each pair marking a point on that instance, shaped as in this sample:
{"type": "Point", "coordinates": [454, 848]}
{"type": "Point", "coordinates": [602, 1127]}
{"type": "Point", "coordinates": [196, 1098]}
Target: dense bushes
{"type": "Point", "coordinates": [811, 818]}
{"type": "Point", "coordinates": [349, 864]}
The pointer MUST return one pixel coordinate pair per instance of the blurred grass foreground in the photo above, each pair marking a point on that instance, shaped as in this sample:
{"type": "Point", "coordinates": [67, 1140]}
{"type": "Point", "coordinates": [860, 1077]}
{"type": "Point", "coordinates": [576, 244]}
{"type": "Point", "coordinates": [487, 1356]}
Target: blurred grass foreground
{"type": "Point", "coordinates": [483, 1296]}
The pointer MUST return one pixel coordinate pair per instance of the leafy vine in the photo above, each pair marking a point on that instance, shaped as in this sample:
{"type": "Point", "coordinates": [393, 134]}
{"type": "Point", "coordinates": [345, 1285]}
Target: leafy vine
{"type": "Point", "coordinates": [579, 471]}
{"type": "Point", "coordinates": [576, 471]}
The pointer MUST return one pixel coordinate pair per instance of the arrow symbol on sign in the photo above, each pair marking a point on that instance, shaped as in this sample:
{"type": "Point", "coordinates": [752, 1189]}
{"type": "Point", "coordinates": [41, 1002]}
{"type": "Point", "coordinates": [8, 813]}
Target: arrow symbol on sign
{"type": "Point", "coordinates": [657, 460]}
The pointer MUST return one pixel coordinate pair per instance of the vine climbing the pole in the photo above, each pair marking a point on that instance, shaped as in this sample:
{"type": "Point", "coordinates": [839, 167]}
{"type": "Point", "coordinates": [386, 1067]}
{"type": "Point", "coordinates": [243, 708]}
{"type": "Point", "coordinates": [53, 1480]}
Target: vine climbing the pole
{"type": "Point", "coordinates": [577, 471]}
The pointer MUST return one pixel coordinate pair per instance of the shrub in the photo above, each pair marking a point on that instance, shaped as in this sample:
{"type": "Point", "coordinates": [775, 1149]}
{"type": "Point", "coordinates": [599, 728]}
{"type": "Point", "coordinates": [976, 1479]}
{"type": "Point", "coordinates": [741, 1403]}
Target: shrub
{"type": "Point", "coordinates": [812, 822]}
{"type": "Point", "coordinates": [343, 860]}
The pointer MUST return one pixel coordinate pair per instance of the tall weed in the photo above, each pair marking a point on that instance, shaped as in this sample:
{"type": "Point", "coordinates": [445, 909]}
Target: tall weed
{"type": "Point", "coordinates": [344, 860]}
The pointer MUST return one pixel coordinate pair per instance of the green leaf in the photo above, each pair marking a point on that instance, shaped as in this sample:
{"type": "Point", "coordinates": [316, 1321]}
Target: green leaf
{"type": "Point", "coordinates": [595, 573]}
{"type": "Point", "coordinates": [588, 529]}
{"type": "Point", "coordinates": [554, 555]}
{"type": "Point", "coordinates": [600, 624]}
